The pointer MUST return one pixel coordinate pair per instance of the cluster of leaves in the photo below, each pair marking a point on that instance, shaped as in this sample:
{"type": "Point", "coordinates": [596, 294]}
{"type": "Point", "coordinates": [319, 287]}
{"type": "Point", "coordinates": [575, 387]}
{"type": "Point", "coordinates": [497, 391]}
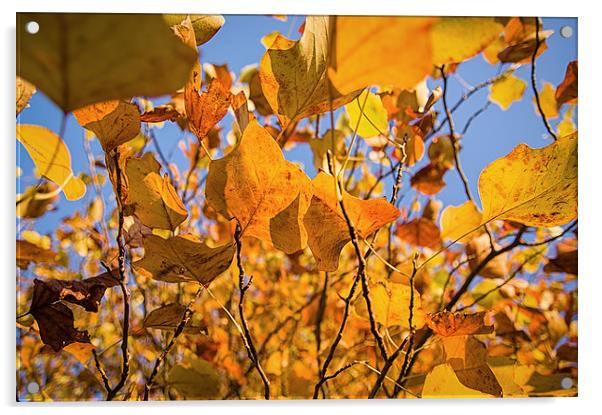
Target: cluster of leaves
{"type": "Point", "coordinates": [238, 276]}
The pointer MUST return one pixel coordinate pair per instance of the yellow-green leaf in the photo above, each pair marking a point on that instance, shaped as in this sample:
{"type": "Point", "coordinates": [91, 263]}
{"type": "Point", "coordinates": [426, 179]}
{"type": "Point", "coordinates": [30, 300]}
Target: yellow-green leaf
{"type": "Point", "coordinates": [51, 158]}
{"type": "Point", "coordinates": [81, 59]}
{"type": "Point", "coordinates": [368, 114]}
{"type": "Point", "coordinates": [507, 89]}
{"type": "Point", "coordinates": [183, 259]}
{"type": "Point", "coordinates": [535, 187]}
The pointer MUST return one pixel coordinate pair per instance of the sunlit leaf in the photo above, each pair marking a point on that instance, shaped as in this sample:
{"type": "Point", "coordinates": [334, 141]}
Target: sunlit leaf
{"type": "Point", "coordinates": [24, 92]}
{"type": "Point", "coordinates": [51, 158]}
{"type": "Point", "coordinates": [205, 25]}
{"type": "Point", "coordinates": [507, 89]}
{"type": "Point", "coordinates": [368, 114]}
{"type": "Point", "coordinates": [195, 379]}
{"type": "Point", "coordinates": [458, 221]}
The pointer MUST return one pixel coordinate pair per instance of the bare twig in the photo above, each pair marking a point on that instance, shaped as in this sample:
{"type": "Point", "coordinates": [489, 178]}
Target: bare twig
{"type": "Point", "coordinates": [534, 83]}
{"type": "Point", "coordinates": [179, 330]}
{"type": "Point", "coordinates": [247, 338]}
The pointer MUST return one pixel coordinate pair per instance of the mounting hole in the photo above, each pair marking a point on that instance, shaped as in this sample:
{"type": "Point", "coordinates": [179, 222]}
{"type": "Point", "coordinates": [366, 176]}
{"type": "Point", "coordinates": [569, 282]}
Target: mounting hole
{"type": "Point", "coordinates": [566, 31]}
{"type": "Point", "coordinates": [566, 383]}
{"type": "Point", "coordinates": [33, 387]}
{"type": "Point", "coordinates": [32, 27]}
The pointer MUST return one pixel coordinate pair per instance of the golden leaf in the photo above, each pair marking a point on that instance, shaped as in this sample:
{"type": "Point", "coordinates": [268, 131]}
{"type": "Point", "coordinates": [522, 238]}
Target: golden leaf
{"type": "Point", "coordinates": [51, 158]}
{"type": "Point", "coordinates": [535, 187]}
{"type": "Point", "coordinates": [267, 194]}
{"type": "Point", "coordinates": [205, 26]}
{"type": "Point", "coordinates": [113, 122]}
{"type": "Point", "coordinates": [420, 232]}
{"type": "Point", "coordinates": [24, 92]}
{"type": "Point", "coordinates": [477, 249]}
{"type": "Point", "coordinates": [447, 323]}
{"type": "Point", "coordinates": [457, 221]}
{"type": "Point", "coordinates": [183, 258]}
{"type": "Point", "coordinates": [81, 59]}
{"type": "Point", "coordinates": [442, 382]}
{"type": "Point", "coordinates": [376, 50]}
{"type": "Point", "coordinates": [152, 198]}
{"type": "Point", "coordinates": [326, 227]}
{"type": "Point", "coordinates": [547, 99]}
{"type": "Point", "coordinates": [293, 74]}
{"type": "Point", "coordinates": [507, 89]}
{"type": "Point", "coordinates": [391, 305]}
{"type": "Point", "coordinates": [368, 115]}
{"type": "Point", "coordinates": [195, 379]}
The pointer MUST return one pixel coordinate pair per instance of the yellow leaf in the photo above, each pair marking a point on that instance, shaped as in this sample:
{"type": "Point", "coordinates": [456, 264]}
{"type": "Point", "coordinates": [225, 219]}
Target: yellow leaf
{"type": "Point", "coordinates": [267, 194]}
{"type": "Point", "coordinates": [376, 50]}
{"type": "Point", "coordinates": [113, 122]}
{"type": "Point", "coordinates": [51, 158]}
{"type": "Point", "coordinates": [368, 115]}
{"type": "Point", "coordinates": [293, 74]}
{"type": "Point", "coordinates": [456, 39]}
{"type": "Point", "coordinates": [567, 126]}
{"type": "Point", "coordinates": [457, 221]}
{"type": "Point", "coordinates": [449, 324]}
{"type": "Point", "coordinates": [195, 379]}
{"type": "Point", "coordinates": [205, 26]}
{"type": "Point", "coordinates": [151, 197]}
{"type": "Point", "coordinates": [183, 258]}
{"type": "Point", "coordinates": [326, 227]}
{"type": "Point", "coordinates": [80, 59]}
{"type": "Point", "coordinates": [507, 89]}
{"type": "Point", "coordinates": [535, 187]}
{"type": "Point", "coordinates": [391, 305]}
{"type": "Point", "coordinates": [547, 99]}
{"type": "Point", "coordinates": [24, 92]}
{"type": "Point", "coordinates": [442, 382]}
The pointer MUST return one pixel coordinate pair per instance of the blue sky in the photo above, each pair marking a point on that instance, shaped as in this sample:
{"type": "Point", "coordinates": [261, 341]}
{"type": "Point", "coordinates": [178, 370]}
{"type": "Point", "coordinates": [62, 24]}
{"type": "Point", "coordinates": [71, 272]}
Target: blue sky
{"type": "Point", "coordinates": [492, 135]}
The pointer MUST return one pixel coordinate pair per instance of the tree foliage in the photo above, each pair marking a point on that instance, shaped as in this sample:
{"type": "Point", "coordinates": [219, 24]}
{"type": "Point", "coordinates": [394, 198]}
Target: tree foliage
{"type": "Point", "coordinates": [238, 273]}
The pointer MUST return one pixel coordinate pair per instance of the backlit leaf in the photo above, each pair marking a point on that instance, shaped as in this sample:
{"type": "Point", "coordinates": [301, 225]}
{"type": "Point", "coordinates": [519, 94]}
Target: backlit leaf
{"type": "Point", "coordinates": [567, 91]}
{"type": "Point", "coordinates": [24, 92]}
{"type": "Point", "coordinates": [442, 382]}
{"type": "Point", "coordinates": [507, 89]}
{"type": "Point", "coordinates": [81, 59]}
{"type": "Point", "coordinates": [113, 122]}
{"type": "Point", "coordinates": [536, 187]}
{"type": "Point", "coordinates": [267, 194]}
{"type": "Point", "coordinates": [326, 227]}
{"type": "Point", "coordinates": [391, 305]}
{"type": "Point", "coordinates": [205, 25]}
{"type": "Point", "coordinates": [51, 158]}
{"type": "Point", "coordinates": [368, 114]}
{"type": "Point", "coordinates": [195, 379]}
{"type": "Point", "coordinates": [457, 221]}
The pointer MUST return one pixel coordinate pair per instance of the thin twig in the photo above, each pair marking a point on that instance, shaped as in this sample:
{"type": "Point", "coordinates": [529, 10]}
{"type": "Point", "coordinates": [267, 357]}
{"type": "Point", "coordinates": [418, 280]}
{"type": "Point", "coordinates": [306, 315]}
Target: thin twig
{"type": "Point", "coordinates": [179, 330]}
{"type": "Point", "coordinates": [247, 338]}
{"type": "Point", "coordinates": [534, 83]}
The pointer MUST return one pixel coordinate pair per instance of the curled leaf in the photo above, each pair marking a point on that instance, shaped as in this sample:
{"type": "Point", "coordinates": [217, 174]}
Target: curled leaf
{"type": "Point", "coordinates": [448, 323]}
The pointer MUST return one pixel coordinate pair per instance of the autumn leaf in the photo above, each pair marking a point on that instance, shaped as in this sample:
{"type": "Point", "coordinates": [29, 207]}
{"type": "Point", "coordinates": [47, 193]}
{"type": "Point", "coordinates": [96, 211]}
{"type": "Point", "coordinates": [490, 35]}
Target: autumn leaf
{"type": "Point", "coordinates": [547, 100]}
{"type": "Point", "coordinates": [327, 229]}
{"type": "Point", "coordinates": [183, 258]}
{"type": "Point", "coordinates": [265, 193]}
{"type": "Point", "coordinates": [391, 305]}
{"type": "Point", "coordinates": [566, 92]}
{"type": "Point", "coordinates": [28, 252]}
{"type": "Point", "coordinates": [205, 26]}
{"type": "Point", "coordinates": [420, 232]}
{"type": "Point", "coordinates": [195, 379]}
{"type": "Point", "coordinates": [477, 249]}
{"type": "Point", "coordinates": [294, 74]}
{"type": "Point", "coordinates": [507, 89]}
{"type": "Point", "coordinates": [456, 39]}
{"type": "Point", "coordinates": [82, 59]}
{"type": "Point", "coordinates": [566, 259]}
{"type": "Point", "coordinates": [368, 115]}
{"type": "Point", "coordinates": [151, 197]}
{"type": "Point", "coordinates": [447, 323]}
{"type": "Point", "coordinates": [457, 222]}
{"type": "Point", "coordinates": [24, 92]}
{"type": "Point", "coordinates": [375, 50]}
{"type": "Point", "coordinates": [535, 187]}
{"type": "Point", "coordinates": [441, 152]}
{"type": "Point", "coordinates": [51, 158]}
{"type": "Point", "coordinates": [206, 109]}
{"type": "Point", "coordinates": [429, 179]}
{"type": "Point", "coordinates": [442, 382]}
{"type": "Point", "coordinates": [113, 122]}
{"type": "Point", "coordinates": [168, 317]}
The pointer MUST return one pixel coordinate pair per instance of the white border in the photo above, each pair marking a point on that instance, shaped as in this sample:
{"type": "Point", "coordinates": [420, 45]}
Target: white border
{"type": "Point", "coordinates": [590, 157]}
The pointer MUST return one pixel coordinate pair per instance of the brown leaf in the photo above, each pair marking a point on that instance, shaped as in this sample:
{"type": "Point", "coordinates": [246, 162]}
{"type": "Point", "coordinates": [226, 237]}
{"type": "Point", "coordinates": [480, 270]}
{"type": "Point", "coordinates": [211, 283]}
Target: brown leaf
{"type": "Point", "coordinates": [24, 92]}
{"type": "Point", "coordinates": [566, 259]}
{"type": "Point", "coordinates": [183, 258]}
{"type": "Point", "coordinates": [429, 179]}
{"type": "Point", "coordinates": [113, 122]}
{"type": "Point", "coordinates": [28, 252]}
{"type": "Point", "coordinates": [448, 323]}
{"type": "Point", "coordinates": [477, 250]}
{"type": "Point", "coordinates": [162, 113]}
{"type": "Point", "coordinates": [326, 227]}
{"type": "Point", "coordinates": [241, 110]}
{"type": "Point", "coordinates": [522, 52]}
{"type": "Point", "coordinates": [56, 326]}
{"type": "Point", "coordinates": [206, 109]}
{"type": "Point", "coordinates": [420, 232]}
{"type": "Point", "coordinates": [566, 92]}
{"type": "Point", "coordinates": [169, 317]}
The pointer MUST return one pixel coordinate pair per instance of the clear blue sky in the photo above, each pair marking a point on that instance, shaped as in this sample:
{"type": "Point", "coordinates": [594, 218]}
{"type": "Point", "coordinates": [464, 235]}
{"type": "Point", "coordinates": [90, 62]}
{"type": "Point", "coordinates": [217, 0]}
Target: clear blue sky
{"type": "Point", "coordinates": [492, 135]}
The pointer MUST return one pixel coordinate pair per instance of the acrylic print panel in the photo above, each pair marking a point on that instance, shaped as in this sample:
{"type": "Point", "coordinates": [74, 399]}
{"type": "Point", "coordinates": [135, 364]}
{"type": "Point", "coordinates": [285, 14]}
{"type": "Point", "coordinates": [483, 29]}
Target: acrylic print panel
{"type": "Point", "coordinates": [295, 207]}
